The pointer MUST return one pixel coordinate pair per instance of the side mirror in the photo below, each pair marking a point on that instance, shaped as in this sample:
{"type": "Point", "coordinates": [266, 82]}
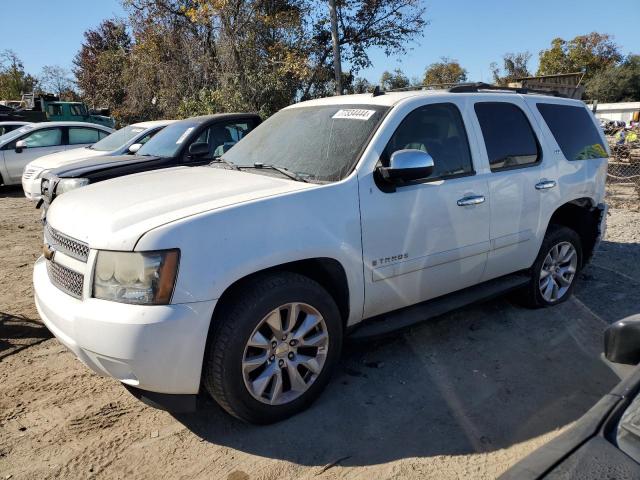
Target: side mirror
{"type": "Point", "coordinates": [622, 341]}
{"type": "Point", "coordinates": [135, 147]}
{"type": "Point", "coordinates": [407, 165]}
{"type": "Point", "coordinates": [20, 145]}
{"type": "Point", "coordinates": [198, 149]}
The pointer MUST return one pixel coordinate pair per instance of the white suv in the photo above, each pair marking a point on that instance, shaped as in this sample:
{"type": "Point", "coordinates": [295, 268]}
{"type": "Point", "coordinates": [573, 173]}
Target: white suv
{"type": "Point", "coordinates": [375, 211]}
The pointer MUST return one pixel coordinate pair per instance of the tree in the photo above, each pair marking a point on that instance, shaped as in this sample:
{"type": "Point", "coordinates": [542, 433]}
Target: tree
{"type": "Point", "coordinates": [589, 53]}
{"type": "Point", "coordinates": [446, 71]}
{"type": "Point", "coordinates": [14, 81]}
{"type": "Point", "coordinates": [101, 64]}
{"type": "Point", "coordinates": [337, 63]}
{"type": "Point", "coordinates": [255, 55]}
{"type": "Point", "coordinates": [618, 83]}
{"type": "Point", "coordinates": [55, 79]}
{"type": "Point", "coordinates": [514, 66]}
{"type": "Point", "coordinates": [357, 85]}
{"type": "Point", "coordinates": [386, 24]}
{"type": "Point", "coordinates": [394, 80]}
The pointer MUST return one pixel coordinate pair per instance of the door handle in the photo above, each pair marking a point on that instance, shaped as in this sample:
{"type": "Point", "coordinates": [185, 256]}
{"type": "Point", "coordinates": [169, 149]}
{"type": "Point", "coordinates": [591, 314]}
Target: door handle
{"type": "Point", "coordinates": [545, 184]}
{"type": "Point", "coordinates": [471, 200]}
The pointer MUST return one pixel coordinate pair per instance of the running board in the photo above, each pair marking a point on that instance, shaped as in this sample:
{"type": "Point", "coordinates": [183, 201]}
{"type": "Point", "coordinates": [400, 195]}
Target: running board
{"type": "Point", "coordinates": [405, 317]}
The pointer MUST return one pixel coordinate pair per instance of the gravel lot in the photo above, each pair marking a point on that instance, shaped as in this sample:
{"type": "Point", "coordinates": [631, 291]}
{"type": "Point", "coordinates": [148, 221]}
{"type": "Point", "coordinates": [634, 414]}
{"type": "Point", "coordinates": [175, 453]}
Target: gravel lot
{"type": "Point", "coordinates": [463, 396]}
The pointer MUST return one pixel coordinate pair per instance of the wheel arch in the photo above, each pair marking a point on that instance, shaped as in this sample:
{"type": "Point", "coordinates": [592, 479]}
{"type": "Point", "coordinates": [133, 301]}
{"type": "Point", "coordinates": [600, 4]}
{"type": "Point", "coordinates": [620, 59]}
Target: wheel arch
{"type": "Point", "coordinates": [583, 216]}
{"type": "Point", "coordinates": [328, 272]}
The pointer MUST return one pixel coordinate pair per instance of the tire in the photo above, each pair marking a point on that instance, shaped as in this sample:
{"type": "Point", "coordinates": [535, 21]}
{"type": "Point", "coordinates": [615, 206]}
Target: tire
{"type": "Point", "coordinates": [230, 374]}
{"type": "Point", "coordinates": [536, 293]}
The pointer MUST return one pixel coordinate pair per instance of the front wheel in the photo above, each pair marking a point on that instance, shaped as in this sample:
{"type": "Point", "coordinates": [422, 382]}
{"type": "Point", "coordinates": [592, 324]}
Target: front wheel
{"type": "Point", "coordinates": [555, 270]}
{"type": "Point", "coordinates": [273, 347]}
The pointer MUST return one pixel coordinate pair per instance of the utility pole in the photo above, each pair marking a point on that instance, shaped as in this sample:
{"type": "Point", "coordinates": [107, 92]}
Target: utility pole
{"type": "Point", "coordinates": [337, 67]}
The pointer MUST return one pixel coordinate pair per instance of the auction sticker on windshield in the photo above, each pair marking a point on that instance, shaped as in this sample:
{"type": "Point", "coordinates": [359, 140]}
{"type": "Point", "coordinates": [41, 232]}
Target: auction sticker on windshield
{"type": "Point", "coordinates": [354, 114]}
{"type": "Point", "coordinates": [184, 135]}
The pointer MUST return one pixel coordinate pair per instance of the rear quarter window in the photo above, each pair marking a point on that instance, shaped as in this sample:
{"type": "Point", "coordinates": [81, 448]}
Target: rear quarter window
{"type": "Point", "coordinates": [574, 131]}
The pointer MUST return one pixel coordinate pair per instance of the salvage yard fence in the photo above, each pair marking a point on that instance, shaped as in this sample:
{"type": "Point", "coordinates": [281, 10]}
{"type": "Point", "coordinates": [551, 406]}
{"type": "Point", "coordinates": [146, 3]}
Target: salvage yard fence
{"type": "Point", "coordinates": [623, 176]}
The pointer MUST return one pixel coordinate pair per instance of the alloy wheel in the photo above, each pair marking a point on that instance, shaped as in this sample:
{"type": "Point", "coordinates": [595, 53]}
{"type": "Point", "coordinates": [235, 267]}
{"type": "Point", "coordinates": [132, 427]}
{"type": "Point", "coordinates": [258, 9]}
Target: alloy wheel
{"type": "Point", "coordinates": [285, 353]}
{"type": "Point", "coordinates": [558, 271]}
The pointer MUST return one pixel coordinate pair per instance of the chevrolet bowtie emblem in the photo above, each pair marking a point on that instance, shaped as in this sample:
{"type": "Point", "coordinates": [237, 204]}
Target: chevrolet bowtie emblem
{"type": "Point", "coordinates": [48, 252]}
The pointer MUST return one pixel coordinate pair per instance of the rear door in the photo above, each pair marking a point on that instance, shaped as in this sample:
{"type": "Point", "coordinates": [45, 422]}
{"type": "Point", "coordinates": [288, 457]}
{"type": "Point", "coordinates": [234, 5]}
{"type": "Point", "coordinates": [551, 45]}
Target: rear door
{"type": "Point", "coordinates": [516, 157]}
{"type": "Point", "coordinates": [38, 143]}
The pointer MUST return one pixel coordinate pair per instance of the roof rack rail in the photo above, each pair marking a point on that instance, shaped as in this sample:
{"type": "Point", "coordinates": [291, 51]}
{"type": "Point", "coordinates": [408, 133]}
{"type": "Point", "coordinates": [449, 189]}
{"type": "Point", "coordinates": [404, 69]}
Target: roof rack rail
{"type": "Point", "coordinates": [469, 88]}
{"type": "Point", "coordinates": [431, 86]}
{"type": "Point", "coordinates": [480, 86]}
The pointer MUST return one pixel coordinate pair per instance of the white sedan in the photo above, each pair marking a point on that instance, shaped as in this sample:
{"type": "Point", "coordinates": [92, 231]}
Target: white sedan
{"type": "Point", "coordinates": [10, 126]}
{"type": "Point", "coordinates": [121, 142]}
{"type": "Point", "coordinates": [19, 147]}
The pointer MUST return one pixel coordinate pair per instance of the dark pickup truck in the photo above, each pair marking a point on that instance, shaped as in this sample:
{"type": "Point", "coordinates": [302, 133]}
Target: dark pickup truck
{"type": "Point", "coordinates": [191, 142]}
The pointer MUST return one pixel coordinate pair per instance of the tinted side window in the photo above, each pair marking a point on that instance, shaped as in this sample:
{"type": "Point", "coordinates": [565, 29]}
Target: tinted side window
{"type": "Point", "coordinates": [44, 138]}
{"type": "Point", "coordinates": [77, 110]}
{"type": "Point", "coordinates": [508, 135]}
{"type": "Point", "coordinates": [79, 136]}
{"type": "Point", "coordinates": [438, 130]}
{"type": "Point", "coordinates": [227, 135]}
{"type": "Point", "coordinates": [573, 129]}
{"type": "Point", "coordinates": [54, 109]}
{"type": "Point", "coordinates": [147, 137]}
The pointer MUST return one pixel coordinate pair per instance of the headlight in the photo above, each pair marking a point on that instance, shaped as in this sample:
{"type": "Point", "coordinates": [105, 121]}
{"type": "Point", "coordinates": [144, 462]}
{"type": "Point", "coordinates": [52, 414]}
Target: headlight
{"type": "Point", "coordinates": [68, 184]}
{"type": "Point", "coordinates": [145, 278]}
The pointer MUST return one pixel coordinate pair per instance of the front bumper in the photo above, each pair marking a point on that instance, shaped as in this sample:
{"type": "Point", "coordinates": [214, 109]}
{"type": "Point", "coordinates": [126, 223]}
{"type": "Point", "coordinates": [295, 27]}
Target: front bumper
{"type": "Point", "coordinates": [157, 348]}
{"type": "Point", "coordinates": [31, 188]}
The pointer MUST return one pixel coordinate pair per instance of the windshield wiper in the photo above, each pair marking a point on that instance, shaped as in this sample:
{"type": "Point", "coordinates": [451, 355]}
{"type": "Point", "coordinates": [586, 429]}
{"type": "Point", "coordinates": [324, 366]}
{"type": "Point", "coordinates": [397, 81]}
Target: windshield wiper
{"type": "Point", "coordinates": [282, 170]}
{"type": "Point", "coordinates": [225, 162]}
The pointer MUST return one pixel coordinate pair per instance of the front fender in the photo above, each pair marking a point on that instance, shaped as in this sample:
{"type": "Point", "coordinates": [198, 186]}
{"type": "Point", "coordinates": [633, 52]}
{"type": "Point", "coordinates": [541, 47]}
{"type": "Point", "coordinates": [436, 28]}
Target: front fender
{"type": "Point", "coordinates": [220, 247]}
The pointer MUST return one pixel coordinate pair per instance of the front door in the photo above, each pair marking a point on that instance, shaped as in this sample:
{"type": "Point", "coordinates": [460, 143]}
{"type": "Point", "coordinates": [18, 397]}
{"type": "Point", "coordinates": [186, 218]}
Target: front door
{"type": "Point", "coordinates": [38, 143]}
{"type": "Point", "coordinates": [429, 238]}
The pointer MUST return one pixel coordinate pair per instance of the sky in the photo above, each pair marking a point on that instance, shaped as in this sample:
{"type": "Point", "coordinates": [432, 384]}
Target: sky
{"type": "Point", "coordinates": [473, 32]}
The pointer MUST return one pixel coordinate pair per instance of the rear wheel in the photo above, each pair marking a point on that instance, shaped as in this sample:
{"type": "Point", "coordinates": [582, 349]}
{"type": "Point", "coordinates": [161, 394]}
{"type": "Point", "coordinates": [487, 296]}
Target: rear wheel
{"type": "Point", "coordinates": [555, 270]}
{"type": "Point", "coordinates": [273, 347]}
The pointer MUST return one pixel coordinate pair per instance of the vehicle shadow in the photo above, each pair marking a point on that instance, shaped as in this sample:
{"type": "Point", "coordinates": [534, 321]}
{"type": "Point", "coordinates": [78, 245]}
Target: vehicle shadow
{"type": "Point", "coordinates": [18, 333]}
{"type": "Point", "coordinates": [11, 191]}
{"type": "Point", "coordinates": [612, 289]}
{"type": "Point", "coordinates": [480, 379]}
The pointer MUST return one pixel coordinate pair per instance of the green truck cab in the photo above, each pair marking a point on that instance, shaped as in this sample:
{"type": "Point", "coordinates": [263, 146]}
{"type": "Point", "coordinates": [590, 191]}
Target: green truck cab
{"type": "Point", "coordinates": [75, 111]}
{"type": "Point", "coordinates": [45, 107]}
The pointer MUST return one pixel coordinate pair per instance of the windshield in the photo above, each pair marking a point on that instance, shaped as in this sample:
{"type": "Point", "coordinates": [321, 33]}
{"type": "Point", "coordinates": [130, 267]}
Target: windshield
{"type": "Point", "coordinates": [15, 133]}
{"type": "Point", "coordinates": [118, 139]}
{"type": "Point", "coordinates": [168, 141]}
{"type": "Point", "coordinates": [318, 143]}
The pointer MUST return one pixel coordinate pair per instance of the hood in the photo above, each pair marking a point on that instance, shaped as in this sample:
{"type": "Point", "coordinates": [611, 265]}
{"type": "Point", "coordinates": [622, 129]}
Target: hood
{"type": "Point", "coordinates": [86, 166]}
{"type": "Point", "coordinates": [56, 160]}
{"type": "Point", "coordinates": [115, 214]}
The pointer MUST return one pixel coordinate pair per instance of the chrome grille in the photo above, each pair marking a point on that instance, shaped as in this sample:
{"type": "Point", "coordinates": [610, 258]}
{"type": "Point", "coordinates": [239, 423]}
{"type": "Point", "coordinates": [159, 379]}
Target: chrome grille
{"type": "Point", "coordinates": [65, 279]}
{"type": "Point", "coordinates": [67, 245]}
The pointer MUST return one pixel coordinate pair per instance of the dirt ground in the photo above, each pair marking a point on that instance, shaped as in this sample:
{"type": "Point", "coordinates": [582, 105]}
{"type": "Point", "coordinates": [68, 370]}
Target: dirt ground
{"type": "Point", "coordinates": [463, 396]}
